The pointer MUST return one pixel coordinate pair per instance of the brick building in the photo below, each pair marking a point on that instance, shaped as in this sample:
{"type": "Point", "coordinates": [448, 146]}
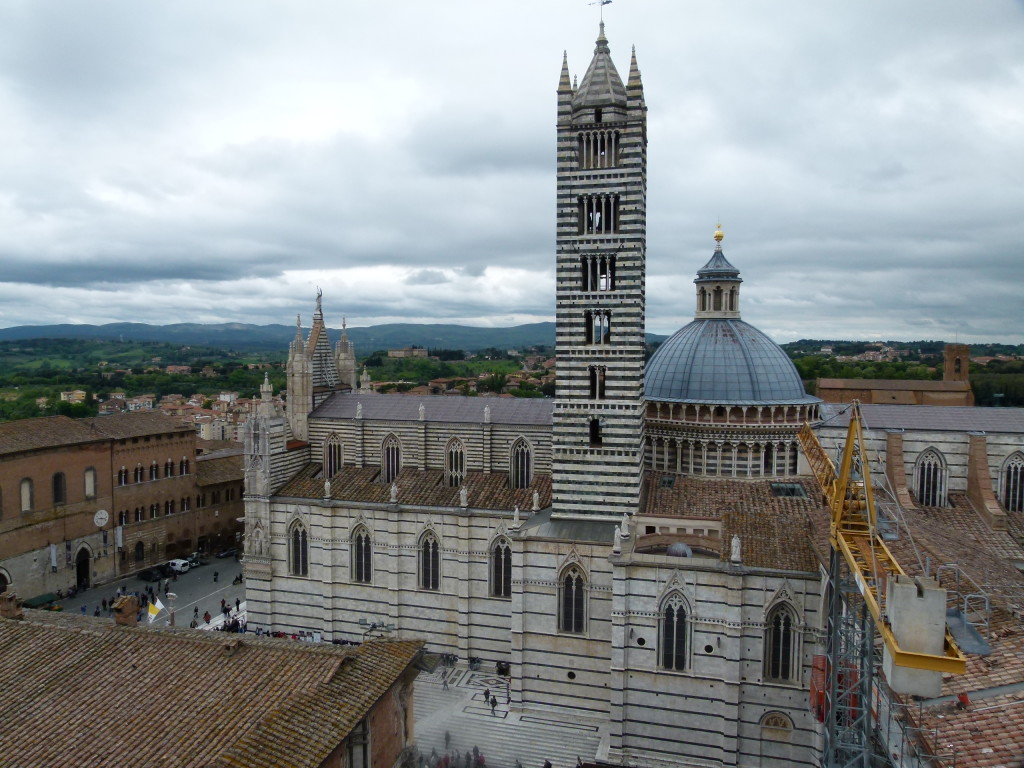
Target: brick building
{"type": "Point", "coordinates": [87, 501]}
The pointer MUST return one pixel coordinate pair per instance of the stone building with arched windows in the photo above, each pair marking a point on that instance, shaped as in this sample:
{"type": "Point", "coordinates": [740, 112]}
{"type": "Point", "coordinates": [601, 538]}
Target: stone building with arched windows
{"type": "Point", "coordinates": [645, 550]}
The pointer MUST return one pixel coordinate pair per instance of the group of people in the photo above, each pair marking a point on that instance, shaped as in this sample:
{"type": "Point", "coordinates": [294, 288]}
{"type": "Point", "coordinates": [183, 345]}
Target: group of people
{"type": "Point", "coordinates": [452, 759]}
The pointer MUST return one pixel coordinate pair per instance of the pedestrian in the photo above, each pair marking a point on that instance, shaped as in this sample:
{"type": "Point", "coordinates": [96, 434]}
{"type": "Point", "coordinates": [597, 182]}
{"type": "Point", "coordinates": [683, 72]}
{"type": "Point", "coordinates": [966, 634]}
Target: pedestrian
{"type": "Point", "coordinates": [444, 687]}
{"type": "Point", "coordinates": [547, 764]}
{"type": "Point", "coordinates": [487, 695]}
{"type": "Point", "coordinates": [104, 603]}
{"type": "Point", "coordinates": [238, 605]}
{"type": "Point", "coordinates": [214, 577]}
{"type": "Point", "coordinates": [206, 617]}
{"type": "Point", "coordinates": [447, 740]}
{"type": "Point", "coordinates": [494, 703]}
{"type": "Point", "coordinates": [193, 624]}
{"type": "Point", "coordinates": [97, 611]}
{"type": "Point", "coordinates": [195, 612]}
{"type": "Point", "coordinates": [84, 609]}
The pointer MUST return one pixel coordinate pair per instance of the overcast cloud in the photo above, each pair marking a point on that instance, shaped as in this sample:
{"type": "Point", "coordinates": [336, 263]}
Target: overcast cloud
{"type": "Point", "coordinates": [215, 162]}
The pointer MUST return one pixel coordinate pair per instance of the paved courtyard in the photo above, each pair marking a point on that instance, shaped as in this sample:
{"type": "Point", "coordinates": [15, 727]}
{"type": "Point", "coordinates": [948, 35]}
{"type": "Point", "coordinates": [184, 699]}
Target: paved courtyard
{"type": "Point", "coordinates": [506, 739]}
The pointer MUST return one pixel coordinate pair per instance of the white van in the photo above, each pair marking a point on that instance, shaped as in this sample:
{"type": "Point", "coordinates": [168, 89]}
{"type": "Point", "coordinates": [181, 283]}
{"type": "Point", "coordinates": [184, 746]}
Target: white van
{"type": "Point", "coordinates": [179, 566]}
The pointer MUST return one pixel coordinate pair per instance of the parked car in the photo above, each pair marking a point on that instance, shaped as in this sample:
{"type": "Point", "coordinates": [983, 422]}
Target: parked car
{"type": "Point", "coordinates": [151, 574]}
{"type": "Point", "coordinates": [229, 552]}
{"type": "Point", "coordinates": [194, 561]}
{"type": "Point", "coordinates": [179, 565]}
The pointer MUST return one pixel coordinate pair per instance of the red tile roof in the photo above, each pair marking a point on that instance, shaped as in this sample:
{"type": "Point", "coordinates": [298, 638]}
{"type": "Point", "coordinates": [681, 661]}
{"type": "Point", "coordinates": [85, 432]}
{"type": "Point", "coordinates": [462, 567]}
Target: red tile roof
{"type": "Point", "coordinates": [419, 488]}
{"type": "Point", "coordinates": [87, 691]}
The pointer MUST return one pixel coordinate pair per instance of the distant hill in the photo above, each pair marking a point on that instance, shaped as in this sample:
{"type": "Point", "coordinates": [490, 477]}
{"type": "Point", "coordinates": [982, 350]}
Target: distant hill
{"type": "Point", "coordinates": [271, 337]}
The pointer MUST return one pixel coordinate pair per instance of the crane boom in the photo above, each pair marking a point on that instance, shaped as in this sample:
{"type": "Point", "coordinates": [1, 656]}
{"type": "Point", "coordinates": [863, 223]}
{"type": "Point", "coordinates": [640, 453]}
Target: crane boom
{"type": "Point", "coordinates": [853, 533]}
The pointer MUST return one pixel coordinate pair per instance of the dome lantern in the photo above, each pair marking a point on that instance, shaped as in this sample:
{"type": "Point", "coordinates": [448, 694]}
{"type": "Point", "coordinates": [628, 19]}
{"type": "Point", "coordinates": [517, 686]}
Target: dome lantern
{"type": "Point", "coordinates": [718, 285]}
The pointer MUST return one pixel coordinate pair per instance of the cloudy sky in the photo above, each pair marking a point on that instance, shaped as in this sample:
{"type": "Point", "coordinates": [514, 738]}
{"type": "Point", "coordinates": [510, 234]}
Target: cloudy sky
{"type": "Point", "coordinates": [191, 161]}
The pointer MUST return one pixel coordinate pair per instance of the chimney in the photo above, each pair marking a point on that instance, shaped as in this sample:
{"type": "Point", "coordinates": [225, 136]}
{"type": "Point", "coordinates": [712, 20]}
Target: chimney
{"type": "Point", "coordinates": [10, 608]}
{"type": "Point", "coordinates": [126, 611]}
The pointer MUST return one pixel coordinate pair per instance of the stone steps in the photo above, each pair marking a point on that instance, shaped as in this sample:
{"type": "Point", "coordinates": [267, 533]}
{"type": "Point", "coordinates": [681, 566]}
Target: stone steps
{"type": "Point", "coordinates": [504, 737]}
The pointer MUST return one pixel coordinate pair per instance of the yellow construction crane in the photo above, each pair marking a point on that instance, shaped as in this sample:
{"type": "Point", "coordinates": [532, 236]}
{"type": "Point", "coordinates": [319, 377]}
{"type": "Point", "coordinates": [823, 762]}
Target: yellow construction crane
{"type": "Point", "coordinates": [854, 533]}
{"type": "Point", "coordinates": [907, 612]}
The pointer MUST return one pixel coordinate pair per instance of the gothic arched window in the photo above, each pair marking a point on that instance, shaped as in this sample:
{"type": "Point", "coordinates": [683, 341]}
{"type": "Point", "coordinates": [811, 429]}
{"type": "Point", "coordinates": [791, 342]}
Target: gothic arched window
{"type": "Point", "coordinates": [930, 479]}
{"type": "Point", "coordinates": [169, 468]}
{"type": "Point", "coordinates": [520, 460]}
{"type": "Point", "coordinates": [183, 466]}
{"type": "Point", "coordinates": [780, 644]}
{"type": "Point", "coordinates": [390, 459]}
{"type": "Point", "coordinates": [572, 601]}
{"type": "Point", "coordinates": [595, 432]}
{"type": "Point", "coordinates": [1013, 483]}
{"type": "Point", "coordinates": [154, 471]}
{"type": "Point", "coordinates": [333, 456]}
{"type": "Point", "coordinates": [362, 556]}
{"type": "Point", "coordinates": [298, 551]}
{"type": "Point", "coordinates": [673, 633]}
{"type": "Point", "coordinates": [430, 562]}
{"type": "Point", "coordinates": [454, 463]}
{"type": "Point", "coordinates": [122, 476]}
{"type": "Point", "coordinates": [501, 569]}
{"type": "Point", "coordinates": [138, 474]}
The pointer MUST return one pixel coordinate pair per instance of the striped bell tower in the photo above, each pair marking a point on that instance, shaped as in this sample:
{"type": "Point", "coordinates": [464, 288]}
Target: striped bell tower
{"type": "Point", "coordinates": [601, 254]}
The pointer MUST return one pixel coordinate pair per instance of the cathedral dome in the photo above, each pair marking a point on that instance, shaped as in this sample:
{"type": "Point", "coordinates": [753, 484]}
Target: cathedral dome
{"type": "Point", "coordinates": [718, 358]}
{"type": "Point", "coordinates": [723, 360]}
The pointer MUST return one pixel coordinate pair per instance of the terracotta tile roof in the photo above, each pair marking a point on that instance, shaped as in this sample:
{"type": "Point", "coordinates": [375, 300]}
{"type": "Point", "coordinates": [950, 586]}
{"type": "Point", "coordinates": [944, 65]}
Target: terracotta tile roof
{"type": "Point", "coordinates": [46, 432]}
{"type": "Point", "coordinates": [419, 488]}
{"type": "Point", "coordinates": [139, 696]}
{"type": "Point", "coordinates": [774, 531]}
{"type": "Point", "coordinates": [222, 469]}
{"type": "Point", "coordinates": [443, 408]}
{"type": "Point", "coordinates": [983, 735]}
{"type": "Point", "coordinates": [136, 424]}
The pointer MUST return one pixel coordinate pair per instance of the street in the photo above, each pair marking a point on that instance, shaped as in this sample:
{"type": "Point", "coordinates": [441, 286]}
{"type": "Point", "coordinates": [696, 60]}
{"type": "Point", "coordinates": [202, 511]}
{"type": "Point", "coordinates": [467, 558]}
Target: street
{"type": "Point", "coordinates": [193, 589]}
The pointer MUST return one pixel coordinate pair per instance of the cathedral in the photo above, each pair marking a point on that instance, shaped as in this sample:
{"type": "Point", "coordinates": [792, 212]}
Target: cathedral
{"type": "Point", "coordinates": [635, 550]}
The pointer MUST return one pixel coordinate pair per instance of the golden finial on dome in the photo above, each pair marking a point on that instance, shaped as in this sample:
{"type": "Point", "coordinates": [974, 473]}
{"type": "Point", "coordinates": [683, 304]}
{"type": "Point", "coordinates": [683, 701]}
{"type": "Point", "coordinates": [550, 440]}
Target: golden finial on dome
{"type": "Point", "coordinates": [719, 234]}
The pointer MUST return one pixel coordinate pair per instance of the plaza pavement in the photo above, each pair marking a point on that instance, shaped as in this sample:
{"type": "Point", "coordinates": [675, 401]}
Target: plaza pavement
{"type": "Point", "coordinates": [504, 737]}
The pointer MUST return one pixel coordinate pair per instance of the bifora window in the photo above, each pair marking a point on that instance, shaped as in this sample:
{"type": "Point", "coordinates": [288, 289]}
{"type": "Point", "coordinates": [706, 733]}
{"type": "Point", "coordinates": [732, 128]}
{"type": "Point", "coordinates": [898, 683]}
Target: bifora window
{"type": "Point", "coordinates": [520, 470]}
{"type": "Point", "coordinates": [572, 601]}
{"type": "Point", "coordinates": [332, 456]}
{"type": "Point", "coordinates": [362, 556]}
{"type": "Point", "coordinates": [390, 459]}
{"type": "Point", "coordinates": [298, 556]}
{"type": "Point", "coordinates": [780, 644]}
{"type": "Point", "coordinates": [673, 633]}
{"type": "Point", "coordinates": [430, 562]}
{"type": "Point", "coordinates": [501, 569]}
{"type": "Point", "coordinates": [454, 463]}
